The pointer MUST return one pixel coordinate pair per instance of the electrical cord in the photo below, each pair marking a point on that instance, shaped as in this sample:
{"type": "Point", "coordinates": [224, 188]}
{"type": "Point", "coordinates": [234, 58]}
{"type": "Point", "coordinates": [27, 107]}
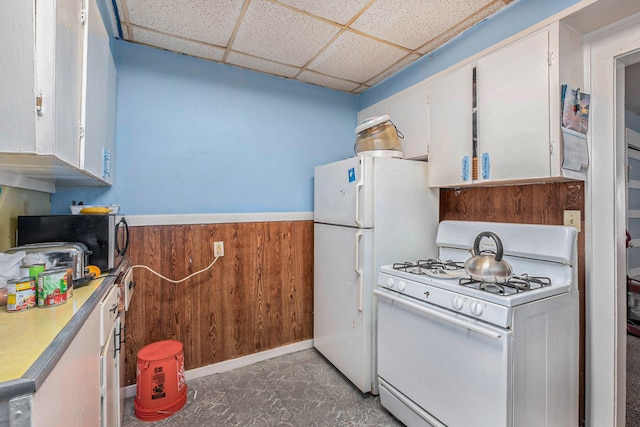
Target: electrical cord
{"type": "Point", "coordinates": [166, 278]}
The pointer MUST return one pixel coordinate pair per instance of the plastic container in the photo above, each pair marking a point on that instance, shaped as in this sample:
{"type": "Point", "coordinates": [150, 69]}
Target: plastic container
{"type": "Point", "coordinates": [161, 389]}
{"type": "Point", "coordinates": [378, 133]}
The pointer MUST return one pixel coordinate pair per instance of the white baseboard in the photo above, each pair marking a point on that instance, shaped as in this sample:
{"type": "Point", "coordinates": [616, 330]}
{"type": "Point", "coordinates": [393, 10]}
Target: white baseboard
{"type": "Point", "coordinates": [185, 219]}
{"type": "Point", "coordinates": [227, 365]}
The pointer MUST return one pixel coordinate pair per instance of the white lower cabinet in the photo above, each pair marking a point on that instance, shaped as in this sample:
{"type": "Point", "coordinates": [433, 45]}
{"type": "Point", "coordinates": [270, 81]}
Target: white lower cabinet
{"type": "Point", "coordinates": [110, 379]}
{"type": "Point", "coordinates": [83, 389]}
{"type": "Point", "coordinates": [70, 396]}
{"type": "Point", "coordinates": [110, 339]}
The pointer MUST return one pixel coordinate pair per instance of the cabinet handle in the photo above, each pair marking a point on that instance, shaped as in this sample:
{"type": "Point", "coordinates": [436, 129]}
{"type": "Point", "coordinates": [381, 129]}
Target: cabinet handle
{"type": "Point", "coordinates": [114, 308]}
{"type": "Point", "coordinates": [118, 340]}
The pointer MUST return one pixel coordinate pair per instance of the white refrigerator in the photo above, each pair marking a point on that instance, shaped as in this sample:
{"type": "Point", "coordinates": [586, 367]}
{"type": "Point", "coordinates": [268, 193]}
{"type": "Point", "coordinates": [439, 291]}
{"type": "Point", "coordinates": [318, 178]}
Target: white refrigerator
{"type": "Point", "coordinates": [368, 211]}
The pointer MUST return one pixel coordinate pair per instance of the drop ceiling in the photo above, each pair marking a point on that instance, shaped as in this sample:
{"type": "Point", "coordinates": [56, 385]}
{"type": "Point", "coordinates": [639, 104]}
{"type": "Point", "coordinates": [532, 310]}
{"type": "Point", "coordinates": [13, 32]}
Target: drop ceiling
{"type": "Point", "coordinates": [348, 45]}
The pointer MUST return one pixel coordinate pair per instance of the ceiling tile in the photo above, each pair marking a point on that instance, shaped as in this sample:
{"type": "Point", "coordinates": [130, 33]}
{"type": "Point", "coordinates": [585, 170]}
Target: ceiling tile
{"type": "Point", "coordinates": [262, 65]}
{"type": "Point", "coordinates": [450, 33]}
{"type": "Point", "coordinates": [410, 23]}
{"type": "Point", "coordinates": [283, 37]}
{"type": "Point", "coordinates": [340, 11]}
{"type": "Point", "coordinates": [327, 81]}
{"type": "Point", "coordinates": [355, 57]}
{"type": "Point", "coordinates": [279, 34]}
{"type": "Point", "coordinates": [187, 47]}
{"type": "Point", "coordinates": [209, 21]}
{"type": "Point", "coordinates": [404, 62]}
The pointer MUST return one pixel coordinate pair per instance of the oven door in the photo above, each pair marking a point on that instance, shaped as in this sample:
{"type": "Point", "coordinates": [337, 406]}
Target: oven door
{"type": "Point", "coordinates": [455, 368]}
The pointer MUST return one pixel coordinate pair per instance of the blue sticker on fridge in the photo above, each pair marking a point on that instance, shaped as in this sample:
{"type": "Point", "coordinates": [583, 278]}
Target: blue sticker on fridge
{"type": "Point", "coordinates": [352, 174]}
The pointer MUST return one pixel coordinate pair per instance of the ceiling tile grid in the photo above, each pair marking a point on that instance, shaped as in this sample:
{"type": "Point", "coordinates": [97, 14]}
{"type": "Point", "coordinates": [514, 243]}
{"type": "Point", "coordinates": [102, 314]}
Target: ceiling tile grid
{"type": "Point", "coordinates": [347, 45]}
{"type": "Point", "coordinates": [277, 33]}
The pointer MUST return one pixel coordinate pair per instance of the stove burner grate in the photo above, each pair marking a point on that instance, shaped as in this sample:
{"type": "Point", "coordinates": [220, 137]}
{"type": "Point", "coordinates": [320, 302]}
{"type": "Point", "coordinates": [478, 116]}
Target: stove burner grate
{"type": "Point", "coordinates": [427, 266]}
{"type": "Point", "coordinates": [516, 284]}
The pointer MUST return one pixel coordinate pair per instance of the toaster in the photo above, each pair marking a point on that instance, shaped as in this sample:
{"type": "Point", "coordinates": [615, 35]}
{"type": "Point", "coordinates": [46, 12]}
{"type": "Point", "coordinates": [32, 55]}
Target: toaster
{"type": "Point", "coordinates": [72, 255]}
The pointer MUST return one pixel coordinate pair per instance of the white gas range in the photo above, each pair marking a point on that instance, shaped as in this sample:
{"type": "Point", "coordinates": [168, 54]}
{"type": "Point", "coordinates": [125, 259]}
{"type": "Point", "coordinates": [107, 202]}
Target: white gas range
{"type": "Point", "coordinates": [457, 352]}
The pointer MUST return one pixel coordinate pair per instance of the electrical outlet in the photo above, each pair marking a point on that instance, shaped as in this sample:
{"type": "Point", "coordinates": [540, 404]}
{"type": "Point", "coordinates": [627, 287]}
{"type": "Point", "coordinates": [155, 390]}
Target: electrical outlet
{"type": "Point", "coordinates": [572, 219]}
{"type": "Point", "coordinates": [218, 249]}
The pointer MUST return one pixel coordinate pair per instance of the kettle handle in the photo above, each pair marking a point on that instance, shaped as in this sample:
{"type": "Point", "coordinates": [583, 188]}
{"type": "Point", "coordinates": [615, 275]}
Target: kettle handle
{"type": "Point", "coordinates": [494, 236]}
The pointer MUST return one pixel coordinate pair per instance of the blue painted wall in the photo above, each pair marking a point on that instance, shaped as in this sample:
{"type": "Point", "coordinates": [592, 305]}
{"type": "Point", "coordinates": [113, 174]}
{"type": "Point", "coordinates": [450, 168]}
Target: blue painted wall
{"type": "Point", "coordinates": [200, 137]}
{"type": "Point", "coordinates": [194, 136]}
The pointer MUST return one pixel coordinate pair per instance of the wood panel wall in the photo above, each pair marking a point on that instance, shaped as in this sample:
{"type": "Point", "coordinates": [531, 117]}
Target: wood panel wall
{"type": "Point", "coordinates": [258, 296]}
{"type": "Point", "coordinates": [532, 204]}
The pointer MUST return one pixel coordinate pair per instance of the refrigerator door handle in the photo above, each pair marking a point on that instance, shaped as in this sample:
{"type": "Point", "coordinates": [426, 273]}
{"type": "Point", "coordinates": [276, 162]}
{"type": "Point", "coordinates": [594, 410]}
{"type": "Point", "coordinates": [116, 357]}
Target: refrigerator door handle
{"type": "Point", "coordinates": [357, 269]}
{"type": "Point", "coordinates": [359, 186]}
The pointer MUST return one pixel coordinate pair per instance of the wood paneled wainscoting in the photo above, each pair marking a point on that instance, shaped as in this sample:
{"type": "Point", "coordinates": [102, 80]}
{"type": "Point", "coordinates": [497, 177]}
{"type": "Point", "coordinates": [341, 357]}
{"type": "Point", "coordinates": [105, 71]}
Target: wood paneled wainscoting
{"type": "Point", "coordinates": [531, 204]}
{"type": "Point", "coordinates": [257, 297]}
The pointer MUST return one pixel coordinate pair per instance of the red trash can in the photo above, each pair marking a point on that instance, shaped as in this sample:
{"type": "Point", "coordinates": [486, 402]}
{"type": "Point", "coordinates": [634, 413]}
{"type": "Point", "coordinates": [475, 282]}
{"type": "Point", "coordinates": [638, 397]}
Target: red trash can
{"type": "Point", "coordinates": [161, 389]}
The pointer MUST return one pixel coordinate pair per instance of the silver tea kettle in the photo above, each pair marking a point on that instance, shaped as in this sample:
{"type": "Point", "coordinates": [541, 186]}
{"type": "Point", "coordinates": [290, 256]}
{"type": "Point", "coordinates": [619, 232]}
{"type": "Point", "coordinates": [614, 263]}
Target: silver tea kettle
{"type": "Point", "coordinates": [485, 266]}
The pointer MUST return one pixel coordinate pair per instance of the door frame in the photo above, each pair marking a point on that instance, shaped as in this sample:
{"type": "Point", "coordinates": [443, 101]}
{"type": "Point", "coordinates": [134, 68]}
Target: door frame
{"type": "Point", "coordinates": [605, 213]}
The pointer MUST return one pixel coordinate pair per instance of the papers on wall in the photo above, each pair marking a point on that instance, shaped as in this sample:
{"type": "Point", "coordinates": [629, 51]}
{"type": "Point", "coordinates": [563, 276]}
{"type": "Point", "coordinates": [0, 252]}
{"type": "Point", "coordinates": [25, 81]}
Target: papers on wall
{"type": "Point", "coordinates": [576, 153]}
{"type": "Point", "coordinates": [575, 123]}
{"type": "Point", "coordinates": [575, 109]}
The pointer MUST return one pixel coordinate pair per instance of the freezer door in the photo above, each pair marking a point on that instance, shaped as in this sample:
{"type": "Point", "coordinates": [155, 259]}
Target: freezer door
{"type": "Point", "coordinates": [343, 193]}
{"type": "Point", "coordinates": [342, 300]}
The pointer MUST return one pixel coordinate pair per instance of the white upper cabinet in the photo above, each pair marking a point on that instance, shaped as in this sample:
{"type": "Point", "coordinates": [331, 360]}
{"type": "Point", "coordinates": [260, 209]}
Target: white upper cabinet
{"type": "Point", "coordinates": [514, 111]}
{"type": "Point", "coordinates": [97, 145]}
{"type": "Point", "coordinates": [518, 113]}
{"type": "Point", "coordinates": [49, 94]}
{"type": "Point", "coordinates": [450, 128]}
{"type": "Point", "coordinates": [409, 112]}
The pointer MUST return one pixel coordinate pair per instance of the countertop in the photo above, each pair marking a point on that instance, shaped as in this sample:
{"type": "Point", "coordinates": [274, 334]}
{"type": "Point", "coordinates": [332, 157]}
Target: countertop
{"type": "Point", "coordinates": [33, 341]}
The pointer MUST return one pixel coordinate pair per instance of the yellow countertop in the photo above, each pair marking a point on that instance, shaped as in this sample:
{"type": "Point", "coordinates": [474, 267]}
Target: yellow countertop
{"type": "Point", "coordinates": [26, 334]}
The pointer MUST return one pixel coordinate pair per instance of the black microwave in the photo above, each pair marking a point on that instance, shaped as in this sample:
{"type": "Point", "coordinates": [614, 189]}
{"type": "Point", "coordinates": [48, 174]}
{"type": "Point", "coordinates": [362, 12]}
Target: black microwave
{"type": "Point", "coordinates": [106, 236]}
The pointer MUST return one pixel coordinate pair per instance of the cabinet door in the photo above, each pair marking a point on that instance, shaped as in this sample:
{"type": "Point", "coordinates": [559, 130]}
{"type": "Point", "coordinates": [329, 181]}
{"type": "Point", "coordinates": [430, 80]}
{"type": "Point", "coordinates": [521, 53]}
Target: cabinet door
{"type": "Point", "coordinates": [96, 151]}
{"type": "Point", "coordinates": [375, 110]}
{"type": "Point", "coordinates": [70, 395]}
{"type": "Point", "coordinates": [67, 71]}
{"type": "Point", "coordinates": [513, 111]}
{"type": "Point", "coordinates": [110, 380]}
{"type": "Point", "coordinates": [410, 115]}
{"type": "Point", "coordinates": [17, 103]}
{"type": "Point", "coordinates": [450, 128]}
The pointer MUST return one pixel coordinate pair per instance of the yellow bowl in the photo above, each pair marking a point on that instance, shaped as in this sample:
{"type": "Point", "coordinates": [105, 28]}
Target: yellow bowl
{"type": "Point", "coordinates": [95, 210]}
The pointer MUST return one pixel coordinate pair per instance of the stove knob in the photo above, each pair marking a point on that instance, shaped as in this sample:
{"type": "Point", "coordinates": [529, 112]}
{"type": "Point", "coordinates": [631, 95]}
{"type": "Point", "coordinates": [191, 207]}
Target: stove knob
{"type": "Point", "coordinates": [476, 308]}
{"type": "Point", "coordinates": [389, 282]}
{"type": "Point", "coordinates": [402, 285]}
{"type": "Point", "coordinates": [457, 303]}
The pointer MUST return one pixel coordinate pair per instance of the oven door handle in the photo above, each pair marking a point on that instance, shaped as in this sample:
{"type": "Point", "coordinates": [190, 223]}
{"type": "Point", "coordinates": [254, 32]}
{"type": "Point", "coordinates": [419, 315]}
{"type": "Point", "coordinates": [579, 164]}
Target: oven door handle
{"type": "Point", "coordinates": [357, 268]}
{"type": "Point", "coordinates": [426, 310]}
